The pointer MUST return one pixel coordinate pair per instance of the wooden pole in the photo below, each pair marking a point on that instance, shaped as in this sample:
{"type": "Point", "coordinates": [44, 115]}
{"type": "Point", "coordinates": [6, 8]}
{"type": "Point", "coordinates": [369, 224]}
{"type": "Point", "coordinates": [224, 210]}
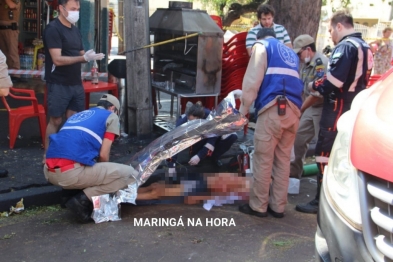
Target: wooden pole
{"type": "Point", "coordinates": [138, 84]}
{"type": "Point", "coordinates": [120, 24]}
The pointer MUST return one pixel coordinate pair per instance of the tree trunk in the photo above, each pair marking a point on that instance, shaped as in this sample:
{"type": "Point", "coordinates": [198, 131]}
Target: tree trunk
{"type": "Point", "coordinates": [297, 16]}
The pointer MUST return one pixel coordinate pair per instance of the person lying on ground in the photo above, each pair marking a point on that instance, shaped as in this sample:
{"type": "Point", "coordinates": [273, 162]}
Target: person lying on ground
{"type": "Point", "coordinates": [196, 188]}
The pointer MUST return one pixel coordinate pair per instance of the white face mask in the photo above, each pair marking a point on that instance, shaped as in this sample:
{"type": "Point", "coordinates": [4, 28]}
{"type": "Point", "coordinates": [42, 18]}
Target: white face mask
{"type": "Point", "coordinates": [73, 16]}
{"type": "Point", "coordinates": [308, 58]}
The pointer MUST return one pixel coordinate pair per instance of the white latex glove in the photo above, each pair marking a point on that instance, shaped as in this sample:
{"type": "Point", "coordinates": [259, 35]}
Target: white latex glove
{"type": "Point", "coordinates": [312, 91]}
{"type": "Point", "coordinates": [237, 93]}
{"type": "Point", "coordinates": [243, 110]}
{"type": "Point", "coordinates": [194, 160]}
{"type": "Point", "coordinates": [91, 55]}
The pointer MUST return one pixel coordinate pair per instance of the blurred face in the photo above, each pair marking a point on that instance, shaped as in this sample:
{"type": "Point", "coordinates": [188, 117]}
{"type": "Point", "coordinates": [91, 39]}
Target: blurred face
{"type": "Point", "coordinates": [387, 34]}
{"type": "Point", "coordinates": [266, 20]}
{"type": "Point", "coordinates": [113, 109]}
{"type": "Point", "coordinates": [304, 53]}
{"type": "Point", "coordinates": [71, 5]}
{"type": "Point", "coordinates": [335, 32]}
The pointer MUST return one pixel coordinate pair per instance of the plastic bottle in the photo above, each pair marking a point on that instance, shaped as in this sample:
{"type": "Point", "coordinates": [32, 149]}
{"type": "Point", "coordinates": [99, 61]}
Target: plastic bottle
{"type": "Point", "coordinates": [94, 73]}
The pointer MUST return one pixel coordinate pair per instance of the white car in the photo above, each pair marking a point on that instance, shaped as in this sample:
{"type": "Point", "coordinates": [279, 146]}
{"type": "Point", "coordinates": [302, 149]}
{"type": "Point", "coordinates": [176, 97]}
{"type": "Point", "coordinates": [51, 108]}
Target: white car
{"type": "Point", "coordinates": [355, 219]}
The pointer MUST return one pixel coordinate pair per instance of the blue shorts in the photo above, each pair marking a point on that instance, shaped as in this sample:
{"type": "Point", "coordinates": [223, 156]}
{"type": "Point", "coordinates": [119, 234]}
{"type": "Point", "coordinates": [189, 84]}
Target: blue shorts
{"type": "Point", "coordinates": [61, 98]}
{"type": "Point", "coordinates": [195, 185]}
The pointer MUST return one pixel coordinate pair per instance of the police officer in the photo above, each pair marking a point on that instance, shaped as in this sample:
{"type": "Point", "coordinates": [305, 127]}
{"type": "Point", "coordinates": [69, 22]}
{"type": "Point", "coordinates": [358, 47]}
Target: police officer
{"type": "Point", "coordinates": [350, 66]}
{"type": "Point", "coordinates": [313, 68]}
{"type": "Point", "coordinates": [272, 81]}
{"type": "Point", "coordinates": [78, 156]}
{"type": "Point", "coordinates": [9, 31]}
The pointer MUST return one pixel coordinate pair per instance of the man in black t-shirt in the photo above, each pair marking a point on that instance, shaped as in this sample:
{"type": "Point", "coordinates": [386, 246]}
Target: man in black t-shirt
{"type": "Point", "coordinates": [63, 57]}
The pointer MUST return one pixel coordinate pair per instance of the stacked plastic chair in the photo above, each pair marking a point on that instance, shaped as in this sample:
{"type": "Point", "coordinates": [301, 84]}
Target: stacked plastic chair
{"type": "Point", "coordinates": [234, 63]}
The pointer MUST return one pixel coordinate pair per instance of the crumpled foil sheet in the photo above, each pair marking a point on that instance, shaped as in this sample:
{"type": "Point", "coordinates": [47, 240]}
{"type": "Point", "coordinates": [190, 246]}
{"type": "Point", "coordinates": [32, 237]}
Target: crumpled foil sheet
{"type": "Point", "coordinates": [224, 120]}
{"type": "Point", "coordinates": [105, 208]}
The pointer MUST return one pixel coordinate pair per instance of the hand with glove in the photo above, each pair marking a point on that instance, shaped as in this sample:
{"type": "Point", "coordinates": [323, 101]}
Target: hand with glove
{"type": "Point", "coordinates": [194, 160]}
{"type": "Point", "coordinates": [91, 55]}
{"type": "Point", "coordinates": [243, 110]}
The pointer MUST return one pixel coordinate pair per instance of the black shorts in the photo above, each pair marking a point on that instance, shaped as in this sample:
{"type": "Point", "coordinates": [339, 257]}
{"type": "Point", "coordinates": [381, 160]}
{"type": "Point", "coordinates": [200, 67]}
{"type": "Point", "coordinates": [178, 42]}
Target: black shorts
{"type": "Point", "coordinates": [63, 97]}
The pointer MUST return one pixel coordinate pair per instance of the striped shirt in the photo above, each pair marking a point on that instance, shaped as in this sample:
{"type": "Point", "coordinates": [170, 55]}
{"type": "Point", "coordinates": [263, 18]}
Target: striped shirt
{"type": "Point", "coordinates": [281, 35]}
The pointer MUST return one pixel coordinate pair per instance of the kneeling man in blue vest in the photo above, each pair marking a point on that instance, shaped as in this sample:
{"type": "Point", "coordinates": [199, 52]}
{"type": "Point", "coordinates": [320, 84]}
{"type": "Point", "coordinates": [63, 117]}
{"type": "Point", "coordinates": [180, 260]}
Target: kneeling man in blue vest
{"type": "Point", "coordinates": [78, 157]}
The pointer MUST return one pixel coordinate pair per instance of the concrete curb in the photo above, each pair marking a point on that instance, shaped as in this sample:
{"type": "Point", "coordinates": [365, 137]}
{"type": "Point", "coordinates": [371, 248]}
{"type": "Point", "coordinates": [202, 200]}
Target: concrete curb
{"type": "Point", "coordinates": [35, 196]}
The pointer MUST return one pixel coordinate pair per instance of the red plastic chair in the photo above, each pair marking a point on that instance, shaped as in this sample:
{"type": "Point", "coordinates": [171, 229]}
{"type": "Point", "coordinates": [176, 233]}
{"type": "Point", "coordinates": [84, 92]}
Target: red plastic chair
{"type": "Point", "coordinates": [239, 37]}
{"type": "Point", "coordinates": [18, 115]}
{"type": "Point", "coordinates": [217, 19]}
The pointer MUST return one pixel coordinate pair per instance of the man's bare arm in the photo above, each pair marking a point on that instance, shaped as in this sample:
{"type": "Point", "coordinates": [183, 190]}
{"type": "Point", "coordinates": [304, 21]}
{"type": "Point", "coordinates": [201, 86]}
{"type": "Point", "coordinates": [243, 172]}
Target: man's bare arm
{"type": "Point", "coordinates": [60, 60]}
{"type": "Point", "coordinates": [105, 150]}
{"type": "Point", "coordinates": [310, 100]}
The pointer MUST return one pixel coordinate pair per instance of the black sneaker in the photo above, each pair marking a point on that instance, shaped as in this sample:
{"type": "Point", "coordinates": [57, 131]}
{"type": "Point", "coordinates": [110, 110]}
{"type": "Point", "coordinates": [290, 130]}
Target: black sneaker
{"type": "Point", "coordinates": [81, 206]}
{"type": "Point", "coordinates": [274, 213]}
{"type": "Point", "coordinates": [310, 208]}
{"type": "Point", "coordinates": [246, 209]}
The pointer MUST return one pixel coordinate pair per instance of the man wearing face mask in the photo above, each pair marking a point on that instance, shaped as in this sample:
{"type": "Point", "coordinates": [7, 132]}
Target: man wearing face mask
{"type": "Point", "coordinates": [64, 55]}
{"type": "Point", "coordinates": [265, 14]}
{"type": "Point", "coordinates": [313, 68]}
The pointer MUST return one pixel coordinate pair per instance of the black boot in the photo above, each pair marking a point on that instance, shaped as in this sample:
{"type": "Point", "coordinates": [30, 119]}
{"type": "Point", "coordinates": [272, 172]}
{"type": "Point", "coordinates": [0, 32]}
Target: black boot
{"type": "Point", "coordinates": [67, 194]}
{"type": "Point", "coordinates": [310, 208]}
{"type": "Point", "coordinates": [81, 206]}
{"type": "Point", "coordinates": [3, 172]}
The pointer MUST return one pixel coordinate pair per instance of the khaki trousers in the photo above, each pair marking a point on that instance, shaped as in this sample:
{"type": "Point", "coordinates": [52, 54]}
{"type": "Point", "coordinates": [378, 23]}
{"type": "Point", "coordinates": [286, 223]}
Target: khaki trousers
{"type": "Point", "coordinates": [273, 140]}
{"type": "Point", "coordinates": [308, 129]}
{"type": "Point", "coordinates": [100, 179]}
{"type": "Point", "coordinates": [9, 47]}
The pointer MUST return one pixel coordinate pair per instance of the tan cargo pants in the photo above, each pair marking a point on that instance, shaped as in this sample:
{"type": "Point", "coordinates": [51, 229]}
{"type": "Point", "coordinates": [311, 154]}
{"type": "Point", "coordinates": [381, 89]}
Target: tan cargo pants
{"type": "Point", "coordinates": [9, 46]}
{"type": "Point", "coordinates": [100, 179]}
{"type": "Point", "coordinates": [273, 140]}
{"type": "Point", "coordinates": [308, 129]}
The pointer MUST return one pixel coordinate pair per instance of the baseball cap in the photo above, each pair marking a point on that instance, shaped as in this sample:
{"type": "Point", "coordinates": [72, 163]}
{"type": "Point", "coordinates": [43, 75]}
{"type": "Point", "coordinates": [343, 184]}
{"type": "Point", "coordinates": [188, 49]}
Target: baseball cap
{"type": "Point", "coordinates": [111, 99]}
{"type": "Point", "coordinates": [302, 41]}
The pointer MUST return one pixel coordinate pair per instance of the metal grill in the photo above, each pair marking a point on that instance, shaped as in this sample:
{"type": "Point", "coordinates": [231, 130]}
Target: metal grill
{"type": "Point", "coordinates": [377, 216]}
{"type": "Point", "coordinates": [193, 65]}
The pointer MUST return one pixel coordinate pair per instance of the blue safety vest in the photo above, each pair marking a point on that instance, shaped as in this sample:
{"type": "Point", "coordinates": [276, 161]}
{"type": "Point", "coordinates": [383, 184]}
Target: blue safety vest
{"type": "Point", "coordinates": [282, 68]}
{"type": "Point", "coordinates": [80, 138]}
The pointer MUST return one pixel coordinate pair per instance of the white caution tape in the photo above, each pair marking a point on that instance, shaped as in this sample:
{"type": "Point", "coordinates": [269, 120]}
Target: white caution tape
{"type": "Point", "coordinates": [39, 72]}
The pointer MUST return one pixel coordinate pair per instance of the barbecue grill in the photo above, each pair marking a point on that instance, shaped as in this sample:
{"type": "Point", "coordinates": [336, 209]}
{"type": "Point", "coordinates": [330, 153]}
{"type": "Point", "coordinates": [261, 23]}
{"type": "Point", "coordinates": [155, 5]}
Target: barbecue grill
{"type": "Point", "coordinates": [193, 64]}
